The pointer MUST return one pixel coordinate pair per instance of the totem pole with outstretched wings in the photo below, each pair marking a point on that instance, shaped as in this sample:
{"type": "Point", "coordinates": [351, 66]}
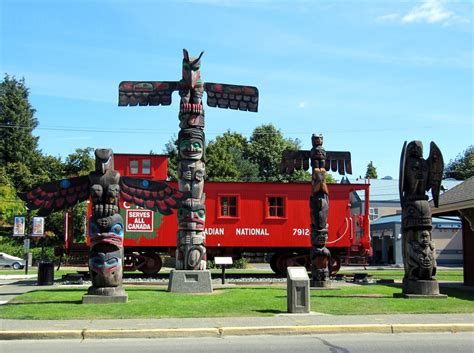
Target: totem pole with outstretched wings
{"type": "Point", "coordinates": [104, 186]}
{"type": "Point", "coordinates": [191, 250]}
{"type": "Point", "coordinates": [320, 161]}
{"type": "Point", "coordinates": [417, 176]}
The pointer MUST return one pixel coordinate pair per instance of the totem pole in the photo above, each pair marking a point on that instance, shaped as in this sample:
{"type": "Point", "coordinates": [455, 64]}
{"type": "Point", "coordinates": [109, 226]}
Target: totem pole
{"type": "Point", "coordinates": [321, 160]}
{"type": "Point", "coordinates": [418, 176]}
{"type": "Point", "coordinates": [191, 239]}
{"type": "Point", "coordinates": [104, 186]}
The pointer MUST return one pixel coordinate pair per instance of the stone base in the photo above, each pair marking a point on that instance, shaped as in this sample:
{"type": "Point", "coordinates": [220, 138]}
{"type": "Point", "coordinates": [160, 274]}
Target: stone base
{"type": "Point", "coordinates": [105, 295]}
{"type": "Point", "coordinates": [420, 287]}
{"type": "Point", "coordinates": [320, 284]}
{"type": "Point", "coordinates": [190, 281]}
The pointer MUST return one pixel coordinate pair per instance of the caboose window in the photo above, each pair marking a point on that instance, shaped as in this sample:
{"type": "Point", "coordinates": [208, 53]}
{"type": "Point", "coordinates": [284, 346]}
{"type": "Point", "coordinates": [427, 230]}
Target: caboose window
{"type": "Point", "coordinates": [146, 166]}
{"type": "Point", "coordinates": [276, 207]}
{"type": "Point", "coordinates": [228, 206]}
{"type": "Point", "coordinates": [133, 167]}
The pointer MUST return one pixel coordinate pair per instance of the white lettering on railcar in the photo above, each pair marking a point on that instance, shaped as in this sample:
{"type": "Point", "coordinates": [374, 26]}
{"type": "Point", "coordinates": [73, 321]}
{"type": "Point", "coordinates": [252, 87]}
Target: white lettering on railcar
{"type": "Point", "coordinates": [301, 231]}
{"type": "Point", "coordinates": [252, 231]}
{"type": "Point", "coordinates": [139, 214]}
{"type": "Point", "coordinates": [139, 226]}
{"type": "Point", "coordinates": [214, 231]}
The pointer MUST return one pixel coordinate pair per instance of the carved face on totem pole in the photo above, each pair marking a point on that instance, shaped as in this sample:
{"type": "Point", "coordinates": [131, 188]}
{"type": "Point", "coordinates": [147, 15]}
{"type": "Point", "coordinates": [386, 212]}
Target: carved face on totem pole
{"type": "Point", "coordinates": [417, 169]}
{"type": "Point", "coordinates": [192, 218]}
{"type": "Point", "coordinates": [105, 265]}
{"type": "Point", "coordinates": [424, 238]}
{"type": "Point", "coordinates": [191, 69]}
{"type": "Point", "coordinates": [113, 235]}
{"type": "Point", "coordinates": [104, 160]}
{"type": "Point", "coordinates": [317, 140]}
{"type": "Point", "coordinates": [191, 144]}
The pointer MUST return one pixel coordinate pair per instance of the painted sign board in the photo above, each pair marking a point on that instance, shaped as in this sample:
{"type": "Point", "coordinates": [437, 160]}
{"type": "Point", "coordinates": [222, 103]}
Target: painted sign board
{"type": "Point", "coordinates": [38, 227]}
{"type": "Point", "coordinates": [19, 226]}
{"type": "Point", "coordinates": [139, 220]}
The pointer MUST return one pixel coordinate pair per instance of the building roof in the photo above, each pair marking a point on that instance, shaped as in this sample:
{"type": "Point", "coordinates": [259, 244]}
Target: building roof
{"type": "Point", "coordinates": [383, 190]}
{"type": "Point", "coordinates": [459, 197]}
{"type": "Point", "coordinates": [397, 219]}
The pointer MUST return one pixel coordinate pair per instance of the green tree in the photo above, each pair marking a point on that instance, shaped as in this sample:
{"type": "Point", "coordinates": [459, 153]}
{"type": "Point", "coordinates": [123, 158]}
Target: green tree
{"type": "Point", "coordinates": [171, 149]}
{"type": "Point", "coordinates": [371, 171]}
{"type": "Point", "coordinates": [462, 167]}
{"type": "Point", "coordinates": [265, 150]}
{"type": "Point", "coordinates": [10, 205]}
{"type": "Point", "coordinates": [80, 162]}
{"type": "Point", "coordinates": [226, 159]}
{"type": "Point", "coordinates": [17, 121]}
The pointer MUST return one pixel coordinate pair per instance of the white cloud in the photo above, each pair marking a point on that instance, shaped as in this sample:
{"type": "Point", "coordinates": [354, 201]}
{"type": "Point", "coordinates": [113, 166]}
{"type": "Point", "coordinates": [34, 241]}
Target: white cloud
{"type": "Point", "coordinates": [429, 11]}
{"type": "Point", "coordinates": [302, 105]}
{"type": "Point", "coordinates": [388, 18]}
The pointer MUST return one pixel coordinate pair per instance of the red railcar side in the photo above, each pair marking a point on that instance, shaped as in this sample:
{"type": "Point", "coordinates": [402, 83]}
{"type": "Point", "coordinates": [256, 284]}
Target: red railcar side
{"type": "Point", "coordinates": [248, 217]}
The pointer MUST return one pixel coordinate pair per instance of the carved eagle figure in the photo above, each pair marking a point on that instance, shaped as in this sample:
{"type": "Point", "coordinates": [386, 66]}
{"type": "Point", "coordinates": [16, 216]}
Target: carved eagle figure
{"type": "Point", "coordinates": [191, 89]}
{"type": "Point", "coordinates": [336, 161]}
{"type": "Point", "coordinates": [419, 175]}
{"type": "Point", "coordinates": [104, 185]}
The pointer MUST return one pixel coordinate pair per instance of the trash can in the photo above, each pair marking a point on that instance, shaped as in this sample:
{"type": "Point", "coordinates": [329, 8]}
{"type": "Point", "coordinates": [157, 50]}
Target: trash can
{"type": "Point", "coordinates": [45, 273]}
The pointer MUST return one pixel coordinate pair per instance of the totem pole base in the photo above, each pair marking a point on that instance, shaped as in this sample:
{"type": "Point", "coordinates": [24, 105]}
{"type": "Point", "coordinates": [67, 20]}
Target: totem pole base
{"type": "Point", "coordinates": [421, 289]}
{"type": "Point", "coordinates": [106, 295]}
{"type": "Point", "coordinates": [190, 281]}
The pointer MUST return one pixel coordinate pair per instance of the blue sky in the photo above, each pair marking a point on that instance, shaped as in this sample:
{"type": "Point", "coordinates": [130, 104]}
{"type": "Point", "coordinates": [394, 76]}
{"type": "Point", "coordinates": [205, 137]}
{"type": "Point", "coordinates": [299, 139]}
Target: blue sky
{"type": "Point", "coordinates": [368, 75]}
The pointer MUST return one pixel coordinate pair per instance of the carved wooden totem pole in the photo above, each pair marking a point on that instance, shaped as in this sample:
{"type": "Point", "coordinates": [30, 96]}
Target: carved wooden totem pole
{"type": "Point", "coordinates": [417, 176]}
{"type": "Point", "coordinates": [191, 239]}
{"type": "Point", "coordinates": [321, 160]}
{"type": "Point", "coordinates": [106, 227]}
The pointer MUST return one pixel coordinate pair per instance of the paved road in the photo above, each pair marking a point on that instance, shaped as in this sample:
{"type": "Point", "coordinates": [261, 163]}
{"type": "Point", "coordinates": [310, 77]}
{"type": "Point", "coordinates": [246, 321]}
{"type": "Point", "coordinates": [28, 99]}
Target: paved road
{"type": "Point", "coordinates": [332, 343]}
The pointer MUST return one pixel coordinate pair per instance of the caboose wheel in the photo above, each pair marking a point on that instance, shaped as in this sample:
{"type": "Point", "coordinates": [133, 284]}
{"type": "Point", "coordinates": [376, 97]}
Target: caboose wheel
{"type": "Point", "coordinates": [278, 263]}
{"type": "Point", "coordinates": [150, 263]}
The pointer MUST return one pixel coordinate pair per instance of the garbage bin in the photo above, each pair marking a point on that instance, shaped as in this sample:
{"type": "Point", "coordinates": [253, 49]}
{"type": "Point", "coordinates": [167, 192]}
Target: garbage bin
{"type": "Point", "coordinates": [45, 273]}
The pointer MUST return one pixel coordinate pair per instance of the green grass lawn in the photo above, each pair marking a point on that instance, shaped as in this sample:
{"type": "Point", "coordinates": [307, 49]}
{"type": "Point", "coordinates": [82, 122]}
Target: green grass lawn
{"type": "Point", "coordinates": [156, 302]}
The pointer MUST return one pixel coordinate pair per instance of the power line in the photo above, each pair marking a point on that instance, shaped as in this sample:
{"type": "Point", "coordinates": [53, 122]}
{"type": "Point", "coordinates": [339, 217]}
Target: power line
{"type": "Point", "coordinates": [156, 131]}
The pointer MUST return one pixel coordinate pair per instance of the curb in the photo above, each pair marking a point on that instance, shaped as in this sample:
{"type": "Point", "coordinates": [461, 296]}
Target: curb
{"type": "Point", "coordinates": [234, 331]}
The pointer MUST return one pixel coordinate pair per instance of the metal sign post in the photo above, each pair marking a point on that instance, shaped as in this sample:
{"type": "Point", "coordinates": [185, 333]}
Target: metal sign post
{"type": "Point", "coordinates": [26, 250]}
{"type": "Point", "coordinates": [223, 261]}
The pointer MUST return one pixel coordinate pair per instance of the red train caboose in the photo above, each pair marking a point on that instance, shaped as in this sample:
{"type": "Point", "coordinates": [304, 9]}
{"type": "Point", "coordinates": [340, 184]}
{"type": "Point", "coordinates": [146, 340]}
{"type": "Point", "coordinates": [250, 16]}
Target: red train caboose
{"type": "Point", "coordinates": [263, 217]}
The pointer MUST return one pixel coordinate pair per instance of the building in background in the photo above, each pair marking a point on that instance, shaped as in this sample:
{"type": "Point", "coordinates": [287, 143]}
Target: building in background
{"type": "Point", "coordinates": [459, 201]}
{"type": "Point", "coordinates": [387, 241]}
{"type": "Point", "coordinates": [385, 224]}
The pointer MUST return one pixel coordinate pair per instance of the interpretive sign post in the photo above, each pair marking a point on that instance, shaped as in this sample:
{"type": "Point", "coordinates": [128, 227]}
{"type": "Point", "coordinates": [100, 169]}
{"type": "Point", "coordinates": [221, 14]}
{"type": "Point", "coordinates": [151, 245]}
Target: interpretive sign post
{"type": "Point", "coordinates": [223, 261]}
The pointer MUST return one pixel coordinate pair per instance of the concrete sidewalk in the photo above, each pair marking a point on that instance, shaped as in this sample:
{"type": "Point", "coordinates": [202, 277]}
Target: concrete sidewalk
{"type": "Point", "coordinates": [216, 327]}
{"type": "Point", "coordinates": [221, 326]}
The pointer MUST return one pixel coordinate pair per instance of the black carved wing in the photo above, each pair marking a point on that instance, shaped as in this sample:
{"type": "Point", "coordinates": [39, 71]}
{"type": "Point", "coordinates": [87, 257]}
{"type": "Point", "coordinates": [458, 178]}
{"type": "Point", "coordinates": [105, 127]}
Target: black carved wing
{"type": "Point", "coordinates": [57, 195]}
{"type": "Point", "coordinates": [339, 162]}
{"type": "Point", "coordinates": [401, 179]}
{"type": "Point", "coordinates": [150, 194]}
{"type": "Point", "coordinates": [232, 96]}
{"type": "Point", "coordinates": [436, 166]}
{"type": "Point", "coordinates": [294, 160]}
{"type": "Point", "coordinates": [146, 92]}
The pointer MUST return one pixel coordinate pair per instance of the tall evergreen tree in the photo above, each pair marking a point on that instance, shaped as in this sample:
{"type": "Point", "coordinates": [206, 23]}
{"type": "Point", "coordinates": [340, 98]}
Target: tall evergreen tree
{"type": "Point", "coordinates": [371, 171]}
{"type": "Point", "coordinates": [17, 121]}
